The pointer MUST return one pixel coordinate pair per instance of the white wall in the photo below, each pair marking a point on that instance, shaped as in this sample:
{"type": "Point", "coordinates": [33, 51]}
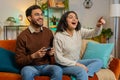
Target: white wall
{"type": "Point", "coordinates": [89, 17]}
{"type": "Point", "coordinates": [13, 8]}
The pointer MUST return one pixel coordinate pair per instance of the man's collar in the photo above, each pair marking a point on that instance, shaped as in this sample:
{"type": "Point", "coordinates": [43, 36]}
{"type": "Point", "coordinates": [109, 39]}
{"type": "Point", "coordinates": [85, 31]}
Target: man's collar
{"type": "Point", "coordinates": [32, 30]}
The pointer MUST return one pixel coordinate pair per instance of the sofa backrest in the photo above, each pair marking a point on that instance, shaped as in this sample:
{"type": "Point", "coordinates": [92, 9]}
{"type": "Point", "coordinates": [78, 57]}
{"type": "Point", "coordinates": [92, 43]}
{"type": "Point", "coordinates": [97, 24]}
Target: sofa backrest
{"type": "Point", "coordinates": [8, 44]}
{"type": "Point", "coordinates": [11, 44]}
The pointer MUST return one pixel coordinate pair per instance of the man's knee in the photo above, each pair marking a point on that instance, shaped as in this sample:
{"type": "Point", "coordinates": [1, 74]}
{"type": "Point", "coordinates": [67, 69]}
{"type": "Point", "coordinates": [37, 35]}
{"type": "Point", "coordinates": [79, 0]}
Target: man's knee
{"type": "Point", "coordinates": [28, 70]}
{"type": "Point", "coordinates": [57, 69]}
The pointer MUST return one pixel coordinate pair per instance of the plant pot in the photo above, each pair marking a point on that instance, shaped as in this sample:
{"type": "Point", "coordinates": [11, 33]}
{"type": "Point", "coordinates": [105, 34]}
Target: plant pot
{"type": "Point", "coordinates": [9, 23]}
{"type": "Point", "coordinates": [54, 23]}
{"type": "Point", "coordinates": [103, 39]}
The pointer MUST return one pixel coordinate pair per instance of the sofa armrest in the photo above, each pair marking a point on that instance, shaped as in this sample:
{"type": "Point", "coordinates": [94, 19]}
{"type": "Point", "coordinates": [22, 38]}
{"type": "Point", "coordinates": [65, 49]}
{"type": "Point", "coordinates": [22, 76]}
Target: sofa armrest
{"type": "Point", "coordinates": [114, 66]}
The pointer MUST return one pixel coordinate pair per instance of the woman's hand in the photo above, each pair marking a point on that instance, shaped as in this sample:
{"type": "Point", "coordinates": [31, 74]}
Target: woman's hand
{"type": "Point", "coordinates": [83, 66]}
{"type": "Point", "coordinates": [100, 22]}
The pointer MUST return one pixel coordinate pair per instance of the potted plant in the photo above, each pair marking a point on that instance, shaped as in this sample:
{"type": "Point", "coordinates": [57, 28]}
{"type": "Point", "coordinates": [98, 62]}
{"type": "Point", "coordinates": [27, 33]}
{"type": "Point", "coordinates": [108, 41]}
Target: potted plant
{"type": "Point", "coordinates": [106, 34]}
{"type": "Point", "coordinates": [11, 20]}
{"type": "Point", "coordinates": [44, 6]}
{"type": "Point", "coordinates": [54, 20]}
{"type": "Point", "coordinates": [66, 4]}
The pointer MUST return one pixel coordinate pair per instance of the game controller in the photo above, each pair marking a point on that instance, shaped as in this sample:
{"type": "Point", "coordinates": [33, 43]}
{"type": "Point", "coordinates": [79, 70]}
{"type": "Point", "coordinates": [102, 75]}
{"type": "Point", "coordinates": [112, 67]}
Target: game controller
{"type": "Point", "coordinates": [48, 49]}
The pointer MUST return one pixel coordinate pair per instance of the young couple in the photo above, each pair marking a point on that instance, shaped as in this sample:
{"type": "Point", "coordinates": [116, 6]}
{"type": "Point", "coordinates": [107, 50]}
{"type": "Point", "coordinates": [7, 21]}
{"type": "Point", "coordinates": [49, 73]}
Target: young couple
{"type": "Point", "coordinates": [33, 58]}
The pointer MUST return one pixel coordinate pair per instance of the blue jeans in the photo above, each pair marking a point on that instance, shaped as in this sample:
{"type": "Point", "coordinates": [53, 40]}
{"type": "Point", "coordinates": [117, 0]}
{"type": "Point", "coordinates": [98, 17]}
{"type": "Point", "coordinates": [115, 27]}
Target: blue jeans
{"type": "Point", "coordinates": [79, 73]}
{"type": "Point", "coordinates": [29, 72]}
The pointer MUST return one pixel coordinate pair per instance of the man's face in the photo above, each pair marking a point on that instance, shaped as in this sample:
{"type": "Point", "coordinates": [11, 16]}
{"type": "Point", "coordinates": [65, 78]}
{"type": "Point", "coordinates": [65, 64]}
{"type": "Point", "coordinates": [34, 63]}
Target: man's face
{"type": "Point", "coordinates": [36, 18]}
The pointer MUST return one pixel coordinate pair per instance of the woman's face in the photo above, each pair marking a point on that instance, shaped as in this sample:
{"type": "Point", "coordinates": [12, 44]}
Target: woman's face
{"type": "Point", "coordinates": [72, 21]}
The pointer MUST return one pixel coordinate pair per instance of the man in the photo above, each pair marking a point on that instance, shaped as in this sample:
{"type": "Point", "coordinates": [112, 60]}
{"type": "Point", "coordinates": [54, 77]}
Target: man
{"type": "Point", "coordinates": [31, 48]}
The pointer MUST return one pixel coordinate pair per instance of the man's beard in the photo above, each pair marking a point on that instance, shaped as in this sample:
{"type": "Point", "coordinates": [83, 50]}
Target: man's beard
{"type": "Point", "coordinates": [37, 25]}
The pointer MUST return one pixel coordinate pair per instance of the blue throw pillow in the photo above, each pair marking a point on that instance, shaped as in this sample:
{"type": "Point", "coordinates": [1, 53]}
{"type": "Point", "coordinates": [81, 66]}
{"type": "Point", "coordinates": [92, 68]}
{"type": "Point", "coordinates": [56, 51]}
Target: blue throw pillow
{"type": "Point", "coordinates": [73, 78]}
{"type": "Point", "coordinates": [7, 61]}
{"type": "Point", "coordinates": [98, 51]}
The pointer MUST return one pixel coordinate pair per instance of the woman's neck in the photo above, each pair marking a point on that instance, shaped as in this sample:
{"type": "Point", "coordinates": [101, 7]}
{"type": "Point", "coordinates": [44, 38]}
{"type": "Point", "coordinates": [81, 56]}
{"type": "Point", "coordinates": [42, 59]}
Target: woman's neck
{"type": "Point", "coordinates": [70, 32]}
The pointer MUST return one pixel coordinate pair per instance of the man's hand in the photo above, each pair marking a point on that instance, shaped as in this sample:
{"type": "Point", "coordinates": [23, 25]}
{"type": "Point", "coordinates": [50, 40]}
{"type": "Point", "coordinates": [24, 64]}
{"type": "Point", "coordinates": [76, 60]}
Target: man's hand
{"type": "Point", "coordinates": [100, 22]}
{"type": "Point", "coordinates": [52, 51]}
{"type": "Point", "coordinates": [39, 54]}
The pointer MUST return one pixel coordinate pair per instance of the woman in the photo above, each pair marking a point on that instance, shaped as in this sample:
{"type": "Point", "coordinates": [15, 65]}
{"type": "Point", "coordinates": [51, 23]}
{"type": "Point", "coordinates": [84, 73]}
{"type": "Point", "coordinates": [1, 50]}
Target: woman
{"type": "Point", "coordinates": [67, 44]}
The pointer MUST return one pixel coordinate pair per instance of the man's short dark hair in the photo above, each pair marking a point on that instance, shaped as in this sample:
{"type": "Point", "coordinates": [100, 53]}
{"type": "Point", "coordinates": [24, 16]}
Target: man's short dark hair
{"type": "Point", "coordinates": [29, 10]}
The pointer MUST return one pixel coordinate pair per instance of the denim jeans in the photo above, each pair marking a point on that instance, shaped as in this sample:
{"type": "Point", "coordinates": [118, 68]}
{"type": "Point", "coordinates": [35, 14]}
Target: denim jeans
{"type": "Point", "coordinates": [29, 72]}
{"type": "Point", "coordinates": [79, 73]}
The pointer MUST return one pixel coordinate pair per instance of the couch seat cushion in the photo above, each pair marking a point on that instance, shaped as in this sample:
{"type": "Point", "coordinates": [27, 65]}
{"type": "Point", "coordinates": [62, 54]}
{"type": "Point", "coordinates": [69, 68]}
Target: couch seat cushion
{"type": "Point", "coordinates": [65, 77]}
{"type": "Point", "coordinates": [9, 76]}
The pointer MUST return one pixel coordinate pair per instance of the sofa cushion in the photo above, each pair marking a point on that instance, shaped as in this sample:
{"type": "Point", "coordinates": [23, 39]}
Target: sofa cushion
{"type": "Point", "coordinates": [84, 45]}
{"type": "Point", "coordinates": [9, 76]}
{"type": "Point", "coordinates": [65, 77]}
{"type": "Point", "coordinates": [7, 61]}
{"type": "Point", "coordinates": [114, 66]}
{"type": "Point", "coordinates": [98, 51]}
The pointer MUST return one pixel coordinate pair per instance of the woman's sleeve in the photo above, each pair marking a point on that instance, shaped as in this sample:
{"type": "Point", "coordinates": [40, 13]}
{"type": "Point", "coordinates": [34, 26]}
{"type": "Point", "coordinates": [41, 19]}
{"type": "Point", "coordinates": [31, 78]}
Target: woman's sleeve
{"type": "Point", "coordinates": [89, 33]}
{"type": "Point", "coordinates": [59, 55]}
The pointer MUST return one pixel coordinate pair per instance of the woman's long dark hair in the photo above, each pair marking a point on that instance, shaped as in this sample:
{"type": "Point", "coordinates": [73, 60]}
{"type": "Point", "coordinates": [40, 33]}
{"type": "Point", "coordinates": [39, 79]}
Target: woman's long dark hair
{"type": "Point", "coordinates": [63, 25]}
